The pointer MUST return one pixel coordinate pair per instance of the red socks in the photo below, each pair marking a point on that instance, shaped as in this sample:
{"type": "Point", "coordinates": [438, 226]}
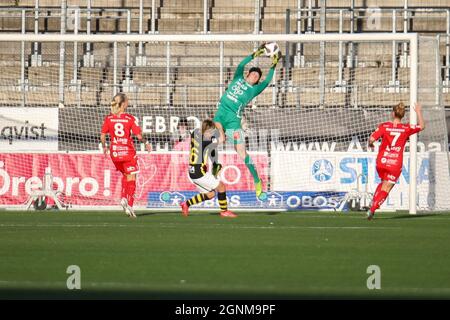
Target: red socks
{"type": "Point", "coordinates": [378, 189]}
{"type": "Point", "coordinates": [130, 189]}
{"type": "Point", "coordinates": [378, 198]}
{"type": "Point", "coordinates": [123, 193]}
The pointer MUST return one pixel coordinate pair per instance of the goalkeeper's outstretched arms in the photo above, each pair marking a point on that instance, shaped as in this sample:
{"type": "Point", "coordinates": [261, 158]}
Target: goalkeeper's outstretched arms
{"type": "Point", "coordinates": [262, 85]}
{"type": "Point", "coordinates": [259, 51]}
{"type": "Point", "coordinates": [240, 69]}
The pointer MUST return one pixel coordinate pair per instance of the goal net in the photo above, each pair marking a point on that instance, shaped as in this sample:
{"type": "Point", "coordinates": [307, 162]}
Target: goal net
{"type": "Point", "coordinates": [306, 132]}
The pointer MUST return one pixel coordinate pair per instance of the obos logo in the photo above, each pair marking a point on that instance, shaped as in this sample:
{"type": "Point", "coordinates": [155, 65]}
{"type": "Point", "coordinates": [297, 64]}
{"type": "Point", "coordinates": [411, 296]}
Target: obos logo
{"type": "Point", "coordinates": [172, 198]}
{"type": "Point", "coordinates": [274, 199]}
{"type": "Point", "coordinates": [322, 170]}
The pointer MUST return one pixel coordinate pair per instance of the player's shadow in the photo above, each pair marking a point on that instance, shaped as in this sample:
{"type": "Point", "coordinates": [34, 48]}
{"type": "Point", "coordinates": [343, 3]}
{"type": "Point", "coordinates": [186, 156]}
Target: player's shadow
{"type": "Point", "coordinates": [143, 214]}
{"type": "Point", "coordinates": [250, 213]}
{"type": "Point", "coordinates": [414, 216]}
{"type": "Point", "coordinates": [152, 213]}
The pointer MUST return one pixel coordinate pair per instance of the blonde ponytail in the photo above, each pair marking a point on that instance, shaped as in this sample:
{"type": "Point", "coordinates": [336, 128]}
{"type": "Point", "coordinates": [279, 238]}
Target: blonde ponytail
{"type": "Point", "coordinates": [117, 102]}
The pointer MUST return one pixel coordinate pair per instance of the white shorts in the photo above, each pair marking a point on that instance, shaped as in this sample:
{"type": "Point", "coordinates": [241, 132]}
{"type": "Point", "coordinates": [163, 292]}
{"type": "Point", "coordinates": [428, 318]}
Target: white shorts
{"type": "Point", "coordinates": [206, 183]}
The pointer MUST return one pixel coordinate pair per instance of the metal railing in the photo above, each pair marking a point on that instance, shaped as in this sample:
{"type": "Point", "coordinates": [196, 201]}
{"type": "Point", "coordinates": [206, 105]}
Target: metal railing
{"type": "Point", "coordinates": [305, 17]}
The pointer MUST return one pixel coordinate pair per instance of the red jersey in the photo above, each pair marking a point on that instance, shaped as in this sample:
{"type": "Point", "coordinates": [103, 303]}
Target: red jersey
{"type": "Point", "coordinates": [393, 141]}
{"type": "Point", "coordinates": [120, 128]}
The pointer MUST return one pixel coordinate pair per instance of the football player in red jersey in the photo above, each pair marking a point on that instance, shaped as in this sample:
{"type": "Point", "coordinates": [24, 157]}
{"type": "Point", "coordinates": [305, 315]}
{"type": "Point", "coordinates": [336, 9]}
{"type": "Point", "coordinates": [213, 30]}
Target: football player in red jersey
{"type": "Point", "coordinates": [394, 136]}
{"type": "Point", "coordinates": [120, 125]}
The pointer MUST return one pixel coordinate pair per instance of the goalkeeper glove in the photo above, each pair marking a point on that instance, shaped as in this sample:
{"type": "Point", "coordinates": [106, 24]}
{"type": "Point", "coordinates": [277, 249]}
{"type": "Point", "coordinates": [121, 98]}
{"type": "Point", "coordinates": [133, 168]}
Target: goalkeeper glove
{"type": "Point", "coordinates": [259, 51]}
{"type": "Point", "coordinates": [216, 169]}
{"type": "Point", "coordinates": [275, 59]}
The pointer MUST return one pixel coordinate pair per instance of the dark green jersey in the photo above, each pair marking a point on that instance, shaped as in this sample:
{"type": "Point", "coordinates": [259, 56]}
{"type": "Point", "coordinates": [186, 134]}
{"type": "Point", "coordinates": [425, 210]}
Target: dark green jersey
{"type": "Point", "coordinates": [239, 93]}
{"type": "Point", "coordinates": [203, 150]}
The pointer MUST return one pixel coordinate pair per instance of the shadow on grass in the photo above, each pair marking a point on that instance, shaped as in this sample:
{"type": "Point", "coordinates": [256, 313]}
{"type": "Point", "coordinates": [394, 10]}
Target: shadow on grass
{"type": "Point", "coordinates": [256, 213]}
{"type": "Point", "coordinates": [414, 216]}
{"type": "Point", "coordinates": [89, 294]}
{"type": "Point", "coordinates": [143, 214]}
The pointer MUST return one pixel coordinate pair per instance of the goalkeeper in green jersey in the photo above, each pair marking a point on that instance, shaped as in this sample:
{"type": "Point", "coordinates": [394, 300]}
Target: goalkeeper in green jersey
{"type": "Point", "coordinates": [231, 106]}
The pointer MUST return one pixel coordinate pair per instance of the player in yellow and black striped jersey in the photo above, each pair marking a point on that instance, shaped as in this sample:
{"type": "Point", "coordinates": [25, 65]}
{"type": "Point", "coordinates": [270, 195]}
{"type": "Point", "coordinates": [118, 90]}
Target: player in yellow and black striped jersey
{"type": "Point", "coordinates": [203, 152]}
{"type": "Point", "coordinates": [203, 149]}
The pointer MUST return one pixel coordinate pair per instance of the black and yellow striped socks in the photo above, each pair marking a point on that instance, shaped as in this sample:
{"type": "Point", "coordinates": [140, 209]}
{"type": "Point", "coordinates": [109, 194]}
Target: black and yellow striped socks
{"type": "Point", "coordinates": [197, 199]}
{"type": "Point", "coordinates": [222, 196]}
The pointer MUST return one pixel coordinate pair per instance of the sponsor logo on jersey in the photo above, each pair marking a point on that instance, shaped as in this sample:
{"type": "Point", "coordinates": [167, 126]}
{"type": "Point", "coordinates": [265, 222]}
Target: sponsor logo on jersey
{"type": "Point", "coordinates": [391, 177]}
{"type": "Point", "coordinates": [121, 140]}
{"type": "Point", "coordinates": [383, 160]}
{"type": "Point", "coordinates": [122, 153]}
{"type": "Point", "coordinates": [390, 154]}
{"type": "Point", "coordinates": [114, 154]}
{"type": "Point", "coordinates": [392, 162]}
{"type": "Point", "coordinates": [322, 170]}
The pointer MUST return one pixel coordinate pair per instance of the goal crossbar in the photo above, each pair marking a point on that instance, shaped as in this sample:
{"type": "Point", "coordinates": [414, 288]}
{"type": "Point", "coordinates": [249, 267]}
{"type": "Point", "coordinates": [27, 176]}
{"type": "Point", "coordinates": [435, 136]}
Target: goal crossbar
{"type": "Point", "coordinates": [56, 37]}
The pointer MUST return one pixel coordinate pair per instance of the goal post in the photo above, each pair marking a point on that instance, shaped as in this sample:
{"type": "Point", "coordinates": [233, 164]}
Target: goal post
{"type": "Point", "coordinates": [179, 81]}
{"type": "Point", "coordinates": [414, 68]}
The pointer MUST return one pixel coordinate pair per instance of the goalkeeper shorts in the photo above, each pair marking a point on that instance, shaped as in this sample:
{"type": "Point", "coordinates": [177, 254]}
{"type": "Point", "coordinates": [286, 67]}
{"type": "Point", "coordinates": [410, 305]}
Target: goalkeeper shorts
{"type": "Point", "coordinates": [231, 125]}
{"type": "Point", "coordinates": [207, 183]}
{"type": "Point", "coordinates": [235, 135]}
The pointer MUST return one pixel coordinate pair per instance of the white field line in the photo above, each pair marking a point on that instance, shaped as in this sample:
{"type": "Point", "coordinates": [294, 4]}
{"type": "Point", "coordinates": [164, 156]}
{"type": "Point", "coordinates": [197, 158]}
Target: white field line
{"type": "Point", "coordinates": [273, 226]}
{"type": "Point", "coordinates": [293, 214]}
{"type": "Point", "coordinates": [174, 225]}
{"type": "Point", "coordinates": [363, 215]}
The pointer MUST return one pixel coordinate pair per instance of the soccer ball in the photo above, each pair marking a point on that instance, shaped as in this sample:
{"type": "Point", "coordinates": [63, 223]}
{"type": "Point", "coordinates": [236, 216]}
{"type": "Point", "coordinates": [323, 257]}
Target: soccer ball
{"type": "Point", "coordinates": [271, 49]}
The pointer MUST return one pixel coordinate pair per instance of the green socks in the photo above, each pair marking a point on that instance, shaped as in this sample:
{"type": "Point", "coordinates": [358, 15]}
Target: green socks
{"type": "Point", "coordinates": [251, 168]}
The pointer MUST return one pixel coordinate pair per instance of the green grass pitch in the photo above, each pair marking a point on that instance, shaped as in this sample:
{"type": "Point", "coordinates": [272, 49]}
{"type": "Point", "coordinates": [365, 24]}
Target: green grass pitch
{"type": "Point", "coordinates": [257, 256]}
